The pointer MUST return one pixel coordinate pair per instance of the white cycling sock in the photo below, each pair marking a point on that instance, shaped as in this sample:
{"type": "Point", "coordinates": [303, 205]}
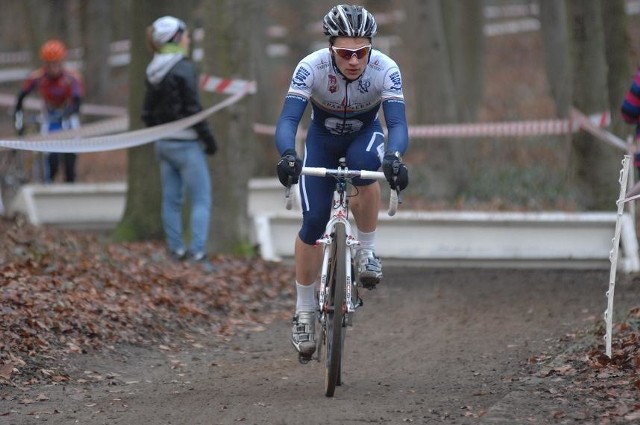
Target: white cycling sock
{"type": "Point", "coordinates": [367, 240]}
{"type": "Point", "coordinates": [306, 297]}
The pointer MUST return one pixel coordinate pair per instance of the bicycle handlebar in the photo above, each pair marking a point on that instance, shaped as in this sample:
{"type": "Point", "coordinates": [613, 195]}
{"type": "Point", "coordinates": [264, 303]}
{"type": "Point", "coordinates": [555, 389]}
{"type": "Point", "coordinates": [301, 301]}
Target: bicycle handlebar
{"type": "Point", "coordinates": [394, 198]}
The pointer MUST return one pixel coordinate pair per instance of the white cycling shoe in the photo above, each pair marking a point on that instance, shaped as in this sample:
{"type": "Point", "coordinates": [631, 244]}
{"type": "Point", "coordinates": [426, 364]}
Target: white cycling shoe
{"type": "Point", "coordinates": [368, 268]}
{"type": "Point", "coordinates": [303, 333]}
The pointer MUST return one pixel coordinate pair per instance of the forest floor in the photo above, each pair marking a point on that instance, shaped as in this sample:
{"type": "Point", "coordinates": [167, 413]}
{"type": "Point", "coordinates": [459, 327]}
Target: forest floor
{"type": "Point", "coordinates": [95, 332]}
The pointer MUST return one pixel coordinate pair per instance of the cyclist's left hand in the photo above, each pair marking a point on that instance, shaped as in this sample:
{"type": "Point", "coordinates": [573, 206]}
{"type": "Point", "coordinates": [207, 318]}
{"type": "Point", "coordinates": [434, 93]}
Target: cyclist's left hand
{"type": "Point", "coordinates": [395, 171]}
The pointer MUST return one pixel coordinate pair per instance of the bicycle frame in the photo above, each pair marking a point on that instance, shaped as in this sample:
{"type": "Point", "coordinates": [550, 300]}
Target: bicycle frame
{"type": "Point", "coordinates": [340, 215]}
{"type": "Point", "coordinates": [337, 294]}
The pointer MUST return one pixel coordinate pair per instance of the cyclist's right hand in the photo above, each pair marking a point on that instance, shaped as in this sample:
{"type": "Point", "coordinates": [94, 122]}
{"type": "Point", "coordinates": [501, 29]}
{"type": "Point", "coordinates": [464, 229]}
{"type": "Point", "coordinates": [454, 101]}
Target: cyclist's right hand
{"type": "Point", "coordinates": [18, 121]}
{"type": "Point", "coordinates": [289, 168]}
{"type": "Point", "coordinates": [395, 171]}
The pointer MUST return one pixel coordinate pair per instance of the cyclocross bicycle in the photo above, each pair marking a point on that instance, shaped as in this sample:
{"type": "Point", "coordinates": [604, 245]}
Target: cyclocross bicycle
{"type": "Point", "coordinates": [337, 294]}
{"type": "Point", "coordinates": [16, 165]}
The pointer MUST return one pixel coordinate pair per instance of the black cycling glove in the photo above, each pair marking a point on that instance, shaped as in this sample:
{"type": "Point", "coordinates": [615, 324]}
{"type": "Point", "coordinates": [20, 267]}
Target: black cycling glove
{"type": "Point", "coordinates": [290, 165]}
{"type": "Point", "coordinates": [210, 145]}
{"type": "Point", "coordinates": [395, 171]}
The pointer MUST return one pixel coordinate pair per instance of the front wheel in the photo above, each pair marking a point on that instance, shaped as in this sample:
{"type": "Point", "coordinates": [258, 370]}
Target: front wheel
{"type": "Point", "coordinates": [335, 317]}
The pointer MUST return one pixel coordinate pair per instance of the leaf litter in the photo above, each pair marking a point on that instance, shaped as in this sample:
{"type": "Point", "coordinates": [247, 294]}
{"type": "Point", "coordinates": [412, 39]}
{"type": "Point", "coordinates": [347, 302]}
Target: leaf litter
{"type": "Point", "coordinates": [606, 389]}
{"type": "Point", "coordinates": [64, 292]}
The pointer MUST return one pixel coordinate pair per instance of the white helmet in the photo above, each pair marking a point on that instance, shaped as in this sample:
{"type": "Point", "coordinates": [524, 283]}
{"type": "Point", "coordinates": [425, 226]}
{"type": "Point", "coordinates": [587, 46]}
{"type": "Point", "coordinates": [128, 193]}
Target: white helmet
{"type": "Point", "coordinates": [346, 20]}
{"type": "Point", "coordinates": [167, 29]}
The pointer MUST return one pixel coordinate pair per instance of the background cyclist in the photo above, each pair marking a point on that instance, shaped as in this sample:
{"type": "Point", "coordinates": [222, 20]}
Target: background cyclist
{"type": "Point", "coordinates": [345, 83]}
{"type": "Point", "coordinates": [61, 90]}
{"type": "Point", "coordinates": [630, 110]}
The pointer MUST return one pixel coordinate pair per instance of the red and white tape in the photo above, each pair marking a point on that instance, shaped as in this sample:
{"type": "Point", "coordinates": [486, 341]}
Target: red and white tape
{"type": "Point", "coordinates": [497, 129]}
{"type": "Point", "coordinates": [214, 84]}
{"type": "Point", "coordinates": [508, 129]}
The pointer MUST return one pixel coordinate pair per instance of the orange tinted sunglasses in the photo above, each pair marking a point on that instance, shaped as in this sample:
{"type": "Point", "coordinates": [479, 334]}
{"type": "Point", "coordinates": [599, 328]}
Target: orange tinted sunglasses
{"type": "Point", "coordinates": [347, 54]}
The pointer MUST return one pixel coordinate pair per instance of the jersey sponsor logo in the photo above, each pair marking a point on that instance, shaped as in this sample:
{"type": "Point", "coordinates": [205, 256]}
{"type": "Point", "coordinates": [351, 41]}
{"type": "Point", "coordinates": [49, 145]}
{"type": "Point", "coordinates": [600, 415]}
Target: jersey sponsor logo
{"type": "Point", "coordinates": [363, 85]}
{"type": "Point", "coordinates": [296, 97]}
{"type": "Point", "coordinates": [322, 65]}
{"type": "Point", "coordinates": [376, 65]}
{"type": "Point", "coordinates": [332, 84]}
{"type": "Point", "coordinates": [339, 126]}
{"type": "Point", "coordinates": [300, 78]}
{"type": "Point", "coordinates": [396, 81]}
{"type": "Point", "coordinates": [393, 100]}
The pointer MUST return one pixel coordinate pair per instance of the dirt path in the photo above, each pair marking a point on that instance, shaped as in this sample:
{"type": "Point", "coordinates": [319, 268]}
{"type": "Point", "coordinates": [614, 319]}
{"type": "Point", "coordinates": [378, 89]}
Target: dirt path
{"type": "Point", "coordinates": [429, 346]}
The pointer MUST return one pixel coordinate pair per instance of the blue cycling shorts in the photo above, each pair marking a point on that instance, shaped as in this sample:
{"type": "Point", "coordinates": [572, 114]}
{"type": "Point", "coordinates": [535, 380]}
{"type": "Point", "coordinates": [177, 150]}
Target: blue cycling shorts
{"type": "Point", "coordinates": [363, 151]}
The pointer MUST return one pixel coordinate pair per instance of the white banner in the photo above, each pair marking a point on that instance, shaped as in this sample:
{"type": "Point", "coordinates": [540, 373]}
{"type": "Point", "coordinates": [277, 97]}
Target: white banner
{"type": "Point", "coordinates": [72, 141]}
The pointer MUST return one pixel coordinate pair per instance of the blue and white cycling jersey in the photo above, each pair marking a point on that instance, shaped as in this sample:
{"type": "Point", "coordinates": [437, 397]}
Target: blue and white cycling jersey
{"type": "Point", "coordinates": [342, 107]}
{"type": "Point", "coordinates": [344, 124]}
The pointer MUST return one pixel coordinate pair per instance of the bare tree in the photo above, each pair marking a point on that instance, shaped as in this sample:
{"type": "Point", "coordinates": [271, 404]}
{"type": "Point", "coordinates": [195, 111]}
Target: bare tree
{"type": "Point", "coordinates": [44, 20]}
{"type": "Point", "coordinates": [434, 98]}
{"type": "Point", "coordinates": [96, 44]}
{"type": "Point", "coordinates": [464, 30]}
{"type": "Point", "coordinates": [141, 219]}
{"type": "Point", "coordinates": [619, 67]}
{"type": "Point", "coordinates": [231, 42]}
{"type": "Point", "coordinates": [555, 39]}
{"type": "Point", "coordinates": [594, 164]}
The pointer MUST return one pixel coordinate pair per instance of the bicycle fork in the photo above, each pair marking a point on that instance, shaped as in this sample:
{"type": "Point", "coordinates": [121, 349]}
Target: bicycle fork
{"type": "Point", "coordinates": [350, 306]}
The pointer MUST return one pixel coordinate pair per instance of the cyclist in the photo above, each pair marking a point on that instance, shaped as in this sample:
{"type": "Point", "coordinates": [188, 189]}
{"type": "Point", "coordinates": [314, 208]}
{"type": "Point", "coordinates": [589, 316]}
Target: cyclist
{"type": "Point", "coordinates": [346, 84]}
{"type": "Point", "coordinates": [630, 110]}
{"type": "Point", "coordinates": [61, 90]}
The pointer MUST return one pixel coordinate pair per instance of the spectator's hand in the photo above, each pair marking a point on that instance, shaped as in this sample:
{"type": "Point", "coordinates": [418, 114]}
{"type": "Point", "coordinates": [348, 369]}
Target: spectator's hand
{"type": "Point", "coordinates": [395, 171]}
{"type": "Point", "coordinates": [290, 165]}
{"type": "Point", "coordinates": [210, 146]}
{"type": "Point", "coordinates": [18, 121]}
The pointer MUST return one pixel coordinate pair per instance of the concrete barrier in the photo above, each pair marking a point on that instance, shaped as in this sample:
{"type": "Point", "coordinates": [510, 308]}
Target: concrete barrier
{"type": "Point", "coordinates": [78, 205]}
{"type": "Point", "coordinates": [479, 239]}
{"type": "Point", "coordinates": [447, 238]}
{"type": "Point", "coordinates": [464, 238]}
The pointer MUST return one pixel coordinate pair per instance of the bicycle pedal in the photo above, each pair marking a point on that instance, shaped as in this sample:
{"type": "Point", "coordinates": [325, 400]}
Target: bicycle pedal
{"type": "Point", "coordinates": [304, 359]}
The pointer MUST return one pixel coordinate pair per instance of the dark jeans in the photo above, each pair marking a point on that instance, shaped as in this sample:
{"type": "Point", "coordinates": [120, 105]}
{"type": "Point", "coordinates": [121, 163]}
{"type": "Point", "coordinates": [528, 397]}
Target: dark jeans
{"type": "Point", "coordinates": [68, 161]}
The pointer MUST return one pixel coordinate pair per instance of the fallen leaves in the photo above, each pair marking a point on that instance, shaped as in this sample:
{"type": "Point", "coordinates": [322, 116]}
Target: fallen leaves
{"type": "Point", "coordinates": [606, 388]}
{"type": "Point", "coordinates": [6, 370]}
{"type": "Point", "coordinates": [67, 292]}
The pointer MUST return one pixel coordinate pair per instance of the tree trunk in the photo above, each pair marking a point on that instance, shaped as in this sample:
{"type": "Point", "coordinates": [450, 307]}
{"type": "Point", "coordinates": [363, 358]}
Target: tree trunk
{"type": "Point", "coordinates": [141, 219]}
{"type": "Point", "coordinates": [595, 165]}
{"type": "Point", "coordinates": [37, 26]}
{"type": "Point", "coordinates": [464, 28]}
{"type": "Point", "coordinates": [96, 39]}
{"type": "Point", "coordinates": [231, 35]}
{"type": "Point", "coordinates": [433, 101]}
{"type": "Point", "coordinates": [555, 41]}
{"type": "Point", "coordinates": [617, 47]}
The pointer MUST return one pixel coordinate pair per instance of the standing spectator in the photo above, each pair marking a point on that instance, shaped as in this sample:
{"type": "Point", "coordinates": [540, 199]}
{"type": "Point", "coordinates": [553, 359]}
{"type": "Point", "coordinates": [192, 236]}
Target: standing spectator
{"type": "Point", "coordinates": [631, 112]}
{"type": "Point", "coordinates": [61, 90]}
{"type": "Point", "coordinates": [172, 94]}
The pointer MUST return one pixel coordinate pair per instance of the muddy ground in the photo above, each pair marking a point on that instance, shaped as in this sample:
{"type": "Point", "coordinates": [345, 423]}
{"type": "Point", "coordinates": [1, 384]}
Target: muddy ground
{"type": "Point", "coordinates": [451, 346]}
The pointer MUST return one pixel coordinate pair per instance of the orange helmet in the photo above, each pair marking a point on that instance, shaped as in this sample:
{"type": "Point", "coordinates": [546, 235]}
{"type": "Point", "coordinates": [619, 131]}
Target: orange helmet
{"type": "Point", "coordinates": [52, 51]}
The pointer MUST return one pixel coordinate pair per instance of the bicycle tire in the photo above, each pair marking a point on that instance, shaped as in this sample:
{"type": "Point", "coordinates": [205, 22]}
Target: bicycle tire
{"type": "Point", "coordinates": [335, 317]}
